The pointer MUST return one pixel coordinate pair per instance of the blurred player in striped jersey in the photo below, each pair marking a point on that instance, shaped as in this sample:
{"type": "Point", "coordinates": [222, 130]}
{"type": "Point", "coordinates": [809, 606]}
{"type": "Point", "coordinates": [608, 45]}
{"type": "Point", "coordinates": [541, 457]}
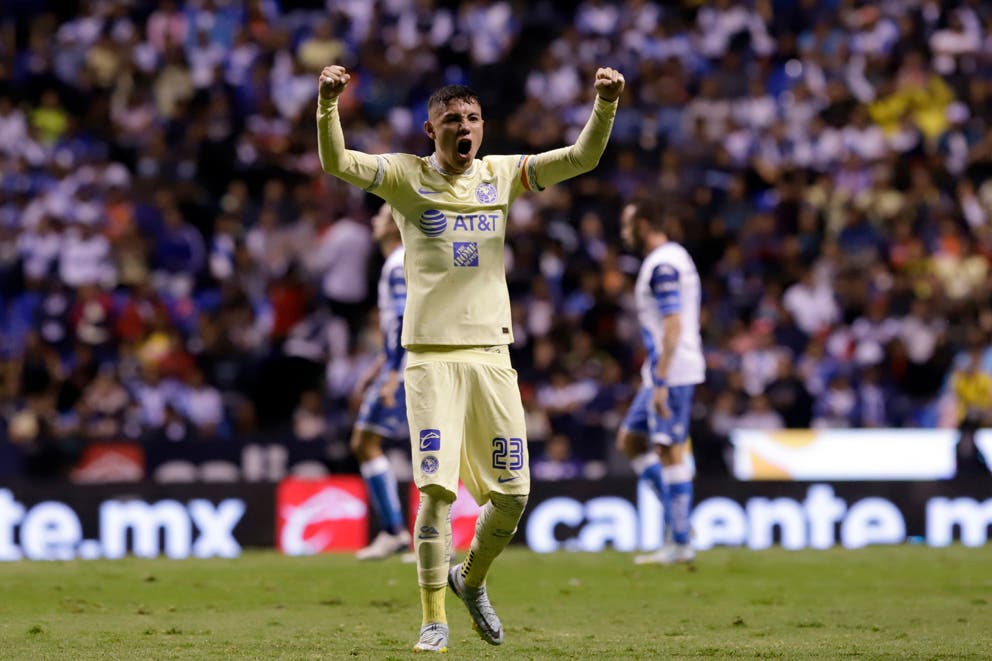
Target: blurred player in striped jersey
{"type": "Point", "coordinates": [463, 401]}
{"type": "Point", "coordinates": [655, 431]}
{"type": "Point", "coordinates": [383, 411]}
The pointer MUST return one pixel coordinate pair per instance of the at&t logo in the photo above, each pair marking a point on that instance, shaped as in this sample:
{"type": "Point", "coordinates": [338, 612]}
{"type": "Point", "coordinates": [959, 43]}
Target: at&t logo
{"type": "Point", "coordinates": [433, 222]}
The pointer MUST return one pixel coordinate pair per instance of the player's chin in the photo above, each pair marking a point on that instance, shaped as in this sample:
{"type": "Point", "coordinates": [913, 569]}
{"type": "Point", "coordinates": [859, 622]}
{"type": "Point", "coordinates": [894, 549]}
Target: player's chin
{"type": "Point", "coordinates": [464, 158]}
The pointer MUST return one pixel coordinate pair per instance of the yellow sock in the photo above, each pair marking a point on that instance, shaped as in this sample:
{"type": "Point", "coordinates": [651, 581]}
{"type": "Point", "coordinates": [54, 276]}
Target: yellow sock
{"type": "Point", "coordinates": [432, 604]}
{"type": "Point", "coordinates": [494, 529]}
{"type": "Point", "coordinates": [433, 529]}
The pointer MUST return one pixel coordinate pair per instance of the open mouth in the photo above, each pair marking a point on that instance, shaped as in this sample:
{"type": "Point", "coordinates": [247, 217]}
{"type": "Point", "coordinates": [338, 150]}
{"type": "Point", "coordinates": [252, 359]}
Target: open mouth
{"type": "Point", "coordinates": [464, 146]}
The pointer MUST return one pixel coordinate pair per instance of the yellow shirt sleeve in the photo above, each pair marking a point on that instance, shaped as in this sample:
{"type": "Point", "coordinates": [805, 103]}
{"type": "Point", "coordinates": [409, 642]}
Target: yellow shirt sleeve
{"type": "Point", "coordinates": [355, 167]}
{"type": "Point", "coordinates": [550, 167]}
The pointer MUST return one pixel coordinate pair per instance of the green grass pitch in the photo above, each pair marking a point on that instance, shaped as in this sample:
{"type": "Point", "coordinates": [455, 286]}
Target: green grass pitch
{"type": "Point", "coordinates": [904, 602]}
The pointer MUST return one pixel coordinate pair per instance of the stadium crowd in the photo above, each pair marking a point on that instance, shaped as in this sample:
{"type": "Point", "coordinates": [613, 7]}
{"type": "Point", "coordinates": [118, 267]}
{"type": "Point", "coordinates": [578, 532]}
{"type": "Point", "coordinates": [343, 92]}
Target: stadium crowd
{"type": "Point", "coordinates": [174, 265]}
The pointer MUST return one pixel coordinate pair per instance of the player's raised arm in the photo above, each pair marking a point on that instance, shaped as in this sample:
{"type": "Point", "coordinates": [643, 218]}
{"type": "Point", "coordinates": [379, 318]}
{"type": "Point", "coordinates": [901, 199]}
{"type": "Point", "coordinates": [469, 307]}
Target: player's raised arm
{"type": "Point", "coordinates": [355, 167]}
{"type": "Point", "coordinates": [557, 165]}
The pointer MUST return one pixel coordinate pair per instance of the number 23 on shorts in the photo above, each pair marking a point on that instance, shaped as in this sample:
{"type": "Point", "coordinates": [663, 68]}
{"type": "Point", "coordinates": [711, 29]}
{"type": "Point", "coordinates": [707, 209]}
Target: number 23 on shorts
{"type": "Point", "coordinates": [508, 454]}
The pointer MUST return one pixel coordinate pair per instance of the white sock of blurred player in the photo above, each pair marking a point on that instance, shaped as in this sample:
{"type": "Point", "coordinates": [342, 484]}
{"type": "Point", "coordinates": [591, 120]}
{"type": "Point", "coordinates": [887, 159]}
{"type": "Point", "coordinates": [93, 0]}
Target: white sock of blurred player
{"type": "Point", "coordinates": [647, 467]}
{"type": "Point", "coordinates": [383, 493]}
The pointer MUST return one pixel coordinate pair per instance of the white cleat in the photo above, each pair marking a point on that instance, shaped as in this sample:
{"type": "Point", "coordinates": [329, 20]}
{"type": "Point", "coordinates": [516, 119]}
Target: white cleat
{"type": "Point", "coordinates": [433, 638]}
{"type": "Point", "coordinates": [476, 600]}
{"type": "Point", "coordinates": [669, 554]}
{"type": "Point", "coordinates": [385, 545]}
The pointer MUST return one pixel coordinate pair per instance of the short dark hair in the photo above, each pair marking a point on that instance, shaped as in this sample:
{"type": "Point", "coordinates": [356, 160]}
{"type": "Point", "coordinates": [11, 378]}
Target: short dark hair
{"type": "Point", "coordinates": [445, 95]}
{"type": "Point", "coordinates": [648, 208]}
{"type": "Point", "coordinates": [659, 219]}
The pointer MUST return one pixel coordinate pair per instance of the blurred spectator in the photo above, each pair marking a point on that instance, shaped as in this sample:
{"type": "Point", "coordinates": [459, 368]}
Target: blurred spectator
{"type": "Point", "coordinates": [760, 363]}
{"type": "Point", "coordinates": [175, 427]}
{"type": "Point", "coordinates": [49, 120]}
{"type": "Point", "coordinates": [342, 257]}
{"type": "Point", "coordinates": [38, 369]}
{"type": "Point", "coordinates": [563, 399]}
{"type": "Point", "coordinates": [309, 420]}
{"type": "Point", "coordinates": [91, 317]}
{"type": "Point", "coordinates": [836, 406]}
{"type": "Point", "coordinates": [811, 304]}
{"type": "Point", "coordinates": [788, 396]}
{"type": "Point", "coordinates": [39, 248]}
{"type": "Point", "coordinates": [872, 398]}
{"type": "Point", "coordinates": [972, 389]}
{"type": "Point", "coordinates": [179, 253]}
{"type": "Point", "coordinates": [556, 462]}
{"type": "Point", "coordinates": [103, 406]}
{"type": "Point", "coordinates": [85, 257]}
{"type": "Point", "coordinates": [760, 415]}
{"type": "Point", "coordinates": [201, 404]}
{"type": "Point", "coordinates": [920, 330]}
{"type": "Point", "coordinates": [723, 416]}
{"type": "Point", "coordinates": [321, 47]}
{"type": "Point", "coordinates": [152, 395]}
{"type": "Point", "coordinates": [538, 424]}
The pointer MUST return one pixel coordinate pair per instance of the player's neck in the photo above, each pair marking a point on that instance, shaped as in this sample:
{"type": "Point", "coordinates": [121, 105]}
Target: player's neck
{"type": "Point", "coordinates": [654, 241]}
{"type": "Point", "coordinates": [389, 247]}
{"type": "Point", "coordinates": [449, 169]}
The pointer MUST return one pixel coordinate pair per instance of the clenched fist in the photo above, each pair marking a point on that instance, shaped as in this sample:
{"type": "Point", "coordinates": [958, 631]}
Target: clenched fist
{"type": "Point", "coordinates": [609, 83]}
{"type": "Point", "coordinates": [333, 80]}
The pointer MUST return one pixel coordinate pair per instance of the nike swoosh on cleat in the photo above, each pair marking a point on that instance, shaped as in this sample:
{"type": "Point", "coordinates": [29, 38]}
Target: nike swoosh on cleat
{"type": "Point", "coordinates": [424, 191]}
{"type": "Point", "coordinates": [502, 479]}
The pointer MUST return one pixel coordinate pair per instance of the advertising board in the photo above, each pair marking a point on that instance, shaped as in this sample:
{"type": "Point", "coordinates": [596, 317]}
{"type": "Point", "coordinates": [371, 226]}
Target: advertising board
{"type": "Point", "coordinates": [592, 516]}
{"type": "Point", "coordinates": [844, 454]}
{"type": "Point", "coordinates": [86, 522]}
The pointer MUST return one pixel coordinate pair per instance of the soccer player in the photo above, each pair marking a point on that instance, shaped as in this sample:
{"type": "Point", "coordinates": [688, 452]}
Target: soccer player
{"type": "Point", "coordinates": [383, 411]}
{"type": "Point", "coordinates": [654, 433]}
{"type": "Point", "coordinates": [463, 403]}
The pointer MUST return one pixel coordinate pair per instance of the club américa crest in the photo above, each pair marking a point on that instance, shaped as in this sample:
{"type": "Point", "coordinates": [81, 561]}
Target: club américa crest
{"type": "Point", "coordinates": [485, 193]}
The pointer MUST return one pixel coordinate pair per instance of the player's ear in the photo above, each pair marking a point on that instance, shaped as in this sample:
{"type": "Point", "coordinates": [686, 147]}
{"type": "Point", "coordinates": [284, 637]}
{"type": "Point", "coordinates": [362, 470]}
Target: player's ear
{"type": "Point", "coordinates": [643, 226]}
{"type": "Point", "coordinates": [429, 129]}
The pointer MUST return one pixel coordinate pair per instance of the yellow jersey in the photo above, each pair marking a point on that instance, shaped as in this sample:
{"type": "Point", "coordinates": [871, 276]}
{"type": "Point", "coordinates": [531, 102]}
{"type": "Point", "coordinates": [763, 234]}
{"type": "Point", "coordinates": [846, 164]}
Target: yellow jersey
{"type": "Point", "coordinates": [454, 225]}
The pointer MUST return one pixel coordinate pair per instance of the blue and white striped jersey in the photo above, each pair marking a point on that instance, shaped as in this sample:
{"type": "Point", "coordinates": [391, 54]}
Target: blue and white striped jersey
{"type": "Point", "coordinates": [668, 283]}
{"type": "Point", "coordinates": [392, 301]}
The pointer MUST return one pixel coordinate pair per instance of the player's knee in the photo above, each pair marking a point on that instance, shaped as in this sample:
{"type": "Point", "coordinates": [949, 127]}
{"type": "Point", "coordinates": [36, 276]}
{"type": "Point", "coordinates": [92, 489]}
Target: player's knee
{"type": "Point", "coordinates": [435, 493]}
{"type": "Point", "coordinates": [365, 445]}
{"type": "Point", "coordinates": [671, 455]}
{"type": "Point", "coordinates": [509, 505]}
{"type": "Point", "coordinates": [357, 443]}
{"type": "Point", "coordinates": [630, 444]}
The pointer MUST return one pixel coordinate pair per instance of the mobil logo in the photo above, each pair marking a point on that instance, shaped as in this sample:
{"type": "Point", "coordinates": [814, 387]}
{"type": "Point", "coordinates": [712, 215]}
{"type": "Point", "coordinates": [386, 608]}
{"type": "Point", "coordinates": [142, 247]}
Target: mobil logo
{"type": "Point", "coordinates": [464, 514]}
{"type": "Point", "coordinates": [318, 516]}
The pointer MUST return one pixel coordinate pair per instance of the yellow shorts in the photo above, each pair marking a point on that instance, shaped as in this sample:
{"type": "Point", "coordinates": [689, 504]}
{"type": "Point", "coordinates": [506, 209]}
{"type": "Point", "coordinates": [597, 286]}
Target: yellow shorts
{"type": "Point", "coordinates": [466, 420]}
